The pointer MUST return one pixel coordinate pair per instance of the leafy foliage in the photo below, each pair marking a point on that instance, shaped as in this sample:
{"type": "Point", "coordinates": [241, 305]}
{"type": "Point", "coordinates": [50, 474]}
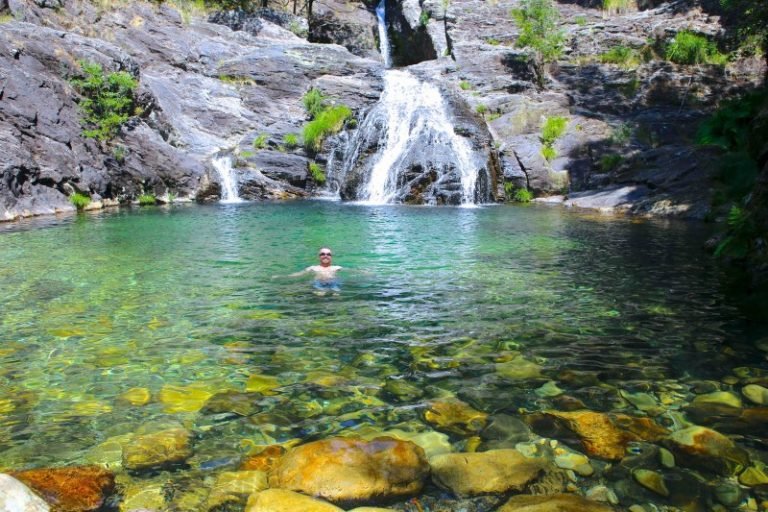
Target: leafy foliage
{"type": "Point", "coordinates": [549, 153]}
{"type": "Point", "coordinates": [481, 109]}
{"type": "Point", "coordinates": [424, 18]}
{"type": "Point", "coordinates": [328, 122]}
{"type": "Point", "coordinates": [553, 129]}
{"type": "Point", "coordinates": [317, 173]}
{"type": "Point", "coordinates": [79, 200]}
{"type": "Point", "coordinates": [690, 48]}
{"type": "Point", "coordinates": [107, 100]}
{"type": "Point", "coordinates": [750, 18]}
{"type": "Point", "coordinates": [314, 102]}
{"type": "Point", "coordinates": [464, 85]}
{"type": "Point", "coordinates": [741, 230]}
{"type": "Point", "coordinates": [522, 195]}
{"type": "Point", "coordinates": [538, 20]}
{"type": "Point", "coordinates": [260, 142]}
{"type": "Point", "coordinates": [147, 199]}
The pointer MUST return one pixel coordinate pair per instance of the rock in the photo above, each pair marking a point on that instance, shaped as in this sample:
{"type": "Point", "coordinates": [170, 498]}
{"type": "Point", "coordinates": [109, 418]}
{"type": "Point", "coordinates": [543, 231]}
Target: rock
{"type": "Point", "coordinates": [453, 415]}
{"type": "Point", "coordinates": [403, 390]}
{"type": "Point", "coordinates": [719, 398]}
{"type": "Point", "coordinates": [553, 503]}
{"type": "Point", "coordinates": [143, 497]}
{"type": "Point", "coordinates": [371, 509]}
{"type": "Point", "coordinates": [109, 453]}
{"type": "Point", "coordinates": [494, 471]}
{"type": "Point", "coordinates": [70, 489]}
{"type": "Point", "coordinates": [183, 398]}
{"type": "Point", "coordinates": [651, 480]}
{"type": "Point", "coordinates": [264, 460]}
{"type": "Point", "coordinates": [280, 500]}
{"type": "Point", "coordinates": [264, 384]}
{"type": "Point", "coordinates": [135, 396]}
{"type": "Point", "coordinates": [349, 24]}
{"type": "Point", "coordinates": [432, 442]}
{"type": "Point", "coordinates": [157, 450]}
{"type": "Point", "coordinates": [234, 487]}
{"type": "Point", "coordinates": [518, 368]}
{"type": "Point", "coordinates": [755, 394]}
{"type": "Point", "coordinates": [602, 494]}
{"type": "Point", "coordinates": [577, 462]}
{"type": "Point", "coordinates": [17, 497]}
{"type": "Point", "coordinates": [504, 431]}
{"type": "Point", "coordinates": [549, 390]}
{"type": "Point", "coordinates": [236, 402]}
{"type": "Point", "coordinates": [754, 476]}
{"type": "Point", "coordinates": [601, 435]}
{"type": "Point", "coordinates": [700, 447]}
{"type": "Point", "coordinates": [353, 470]}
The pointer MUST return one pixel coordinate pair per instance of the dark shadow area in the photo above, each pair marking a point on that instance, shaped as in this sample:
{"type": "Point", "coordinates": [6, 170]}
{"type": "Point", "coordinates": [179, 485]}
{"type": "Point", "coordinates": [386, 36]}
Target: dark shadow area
{"type": "Point", "coordinates": [408, 46]}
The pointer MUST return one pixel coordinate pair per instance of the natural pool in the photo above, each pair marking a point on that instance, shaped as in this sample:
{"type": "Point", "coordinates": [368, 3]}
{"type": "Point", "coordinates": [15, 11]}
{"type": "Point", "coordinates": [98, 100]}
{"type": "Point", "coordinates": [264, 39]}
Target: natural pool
{"type": "Point", "coordinates": [512, 310]}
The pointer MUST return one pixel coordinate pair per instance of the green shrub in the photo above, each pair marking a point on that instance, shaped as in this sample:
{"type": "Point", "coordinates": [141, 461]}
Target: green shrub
{"type": "Point", "coordinates": [317, 173]}
{"type": "Point", "coordinates": [741, 230]}
{"type": "Point", "coordinates": [610, 162]}
{"type": "Point", "coordinates": [314, 102]}
{"type": "Point", "coordinates": [79, 200]}
{"type": "Point", "coordinates": [291, 140]}
{"type": "Point", "coordinates": [623, 56]}
{"type": "Point", "coordinates": [260, 142]}
{"type": "Point", "coordinates": [481, 109]}
{"type": "Point", "coordinates": [522, 195]}
{"type": "Point", "coordinates": [147, 199]}
{"type": "Point", "coordinates": [424, 18]}
{"type": "Point", "coordinates": [107, 100]}
{"type": "Point", "coordinates": [538, 22]}
{"type": "Point", "coordinates": [464, 85]}
{"type": "Point", "coordinates": [328, 122]}
{"type": "Point", "coordinates": [690, 48]}
{"type": "Point", "coordinates": [549, 153]}
{"type": "Point", "coordinates": [618, 6]}
{"type": "Point", "coordinates": [553, 129]}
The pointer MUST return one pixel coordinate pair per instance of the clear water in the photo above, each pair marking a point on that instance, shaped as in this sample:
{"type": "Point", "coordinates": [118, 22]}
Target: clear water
{"type": "Point", "coordinates": [91, 306]}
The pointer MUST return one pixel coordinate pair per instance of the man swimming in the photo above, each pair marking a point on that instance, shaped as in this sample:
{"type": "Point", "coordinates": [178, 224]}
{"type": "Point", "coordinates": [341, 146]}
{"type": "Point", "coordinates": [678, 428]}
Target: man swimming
{"type": "Point", "coordinates": [325, 272]}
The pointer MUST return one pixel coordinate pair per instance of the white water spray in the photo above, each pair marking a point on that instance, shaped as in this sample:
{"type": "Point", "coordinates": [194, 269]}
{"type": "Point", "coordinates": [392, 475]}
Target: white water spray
{"type": "Point", "coordinates": [223, 165]}
{"type": "Point", "coordinates": [383, 37]}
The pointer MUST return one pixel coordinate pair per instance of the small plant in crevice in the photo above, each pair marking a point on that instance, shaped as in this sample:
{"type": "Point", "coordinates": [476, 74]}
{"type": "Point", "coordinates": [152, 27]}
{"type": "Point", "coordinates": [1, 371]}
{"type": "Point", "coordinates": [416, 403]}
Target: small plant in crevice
{"type": "Point", "coordinates": [538, 23]}
{"type": "Point", "coordinates": [689, 48]}
{"type": "Point", "coordinates": [611, 162]}
{"type": "Point", "coordinates": [290, 140]}
{"type": "Point", "coordinates": [317, 173]}
{"type": "Point", "coordinates": [552, 129]}
{"type": "Point", "coordinates": [623, 56]}
{"type": "Point", "coordinates": [260, 142]}
{"type": "Point", "coordinates": [622, 134]}
{"type": "Point", "coordinates": [481, 109]}
{"type": "Point", "coordinates": [146, 199]}
{"type": "Point", "coordinates": [493, 41]}
{"type": "Point", "coordinates": [522, 195]}
{"type": "Point", "coordinates": [494, 116]}
{"type": "Point", "coordinates": [118, 153]}
{"type": "Point", "coordinates": [314, 102]}
{"type": "Point", "coordinates": [619, 6]}
{"type": "Point", "coordinates": [107, 100]}
{"type": "Point", "coordinates": [464, 85]}
{"type": "Point", "coordinates": [424, 18]}
{"type": "Point", "coordinates": [549, 153]}
{"type": "Point", "coordinates": [79, 200]}
{"type": "Point", "coordinates": [246, 154]}
{"type": "Point", "coordinates": [328, 122]}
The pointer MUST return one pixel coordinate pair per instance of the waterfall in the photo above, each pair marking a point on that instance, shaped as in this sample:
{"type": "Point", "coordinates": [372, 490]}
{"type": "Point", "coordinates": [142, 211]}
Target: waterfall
{"type": "Point", "coordinates": [381, 15]}
{"type": "Point", "coordinates": [406, 150]}
{"type": "Point", "coordinates": [223, 165]}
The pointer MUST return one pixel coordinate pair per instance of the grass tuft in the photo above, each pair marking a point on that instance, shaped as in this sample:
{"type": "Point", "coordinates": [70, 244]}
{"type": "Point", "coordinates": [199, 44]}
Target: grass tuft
{"type": "Point", "coordinates": [147, 199]}
{"type": "Point", "coordinates": [260, 142]}
{"type": "Point", "coordinates": [79, 200]}
{"type": "Point", "coordinates": [314, 102]}
{"type": "Point", "coordinates": [688, 48]}
{"type": "Point", "coordinates": [317, 173]}
{"type": "Point", "coordinates": [328, 122]}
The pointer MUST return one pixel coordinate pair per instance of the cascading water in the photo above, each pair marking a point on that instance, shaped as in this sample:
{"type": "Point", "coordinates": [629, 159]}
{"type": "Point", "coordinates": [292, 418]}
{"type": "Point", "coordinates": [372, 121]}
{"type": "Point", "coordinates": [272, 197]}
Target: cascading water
{"type": "Point", "coordinates": [406, 148]}
{"type": "Point", "coordinates": [381, 16]}
{"type": "Point", "coordinates": [223, 165]}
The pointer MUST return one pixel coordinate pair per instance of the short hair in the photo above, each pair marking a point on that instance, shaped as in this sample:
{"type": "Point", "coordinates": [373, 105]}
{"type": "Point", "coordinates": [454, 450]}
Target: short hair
{"type": "Point", "coordinates": [324, 247]}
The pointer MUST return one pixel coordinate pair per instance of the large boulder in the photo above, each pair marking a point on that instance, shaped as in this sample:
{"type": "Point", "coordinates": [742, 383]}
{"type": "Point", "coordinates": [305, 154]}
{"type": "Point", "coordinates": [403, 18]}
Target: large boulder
{"type": "Point", "coordinates": [15, 496]}
{"type": "Point", "coordinates": [157, 450]}
{"type": "Point", "coordinates": [491, 472]}
{"type": "Point", "coordinates": [353, 470]}
{"type": "Point", "coordinates": [70, 489]}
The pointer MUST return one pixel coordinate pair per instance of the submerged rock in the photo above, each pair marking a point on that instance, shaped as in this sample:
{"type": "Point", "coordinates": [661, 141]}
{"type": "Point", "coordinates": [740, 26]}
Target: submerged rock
{"type": "Point", "coordinates": [15, 496]}
{"type": "Point", "coordinates": [234, 487]}
{"type": "Point", "coordinates": [453, 415]}
{"type": "Point", "coordinates": [264, 460]}
{"type": "Point", "coordinates": [553, 503]}
{"type": "Point", "coordinates": [71, 489]}
{"type": "Point", "coordinates": [494, 471]}
{"type": "Point", "coordinates": [157, 450]}
{"type": "Point", "coordinates": [280, 500]}
{"type": "Point", "coordinates": [700, 447]}
{"type": "Point", "coordinates": [353, 470]}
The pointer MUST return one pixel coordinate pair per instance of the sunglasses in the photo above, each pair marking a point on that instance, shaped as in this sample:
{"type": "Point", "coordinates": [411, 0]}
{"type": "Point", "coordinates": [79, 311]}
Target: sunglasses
{"type": "Point", "coordinates": [325, 254]}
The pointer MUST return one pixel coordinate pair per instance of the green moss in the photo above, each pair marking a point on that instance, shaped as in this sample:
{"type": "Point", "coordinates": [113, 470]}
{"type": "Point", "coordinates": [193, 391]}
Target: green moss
{"type": "Point", "coordinates": [246, 154]}
{"type": "Point", "coordinates": [464, 85]}
{"type": "Point", "coordinates": [79, 200]}
{"type": "Point", "coordinates": [494, 116]}
{"type": "Point", "coordinates": [260, 142]}
{"type": "Point", "coordinates": [522, 195]}
{"type": "Point", "coordinates": [689, 48]}
{"type": "Point", "coordinates": [493, 41]}
{"type": "Point", "coordinates": [314, 102]}
{"type": "Point", "coordinates": [147, 199]}
{"type": "Point", "coordinates": [481, 109]}
{"type": "Point", "coordinates": [317, 173]}
{"type": "Point", "coordinates": [237, 80]}
{"type": "Point", "coordinates": [549, 153]}
{"type": "Point", "coordinates": [553, 129]}
{"type": "Point", "coordinates": [291, 140]}
{"type": "Point", "coordinates": [328, 122]}
{"type": "Point", "coordinates": [622, 56]}
{"type": "Point", "coordinates": [424, 18]}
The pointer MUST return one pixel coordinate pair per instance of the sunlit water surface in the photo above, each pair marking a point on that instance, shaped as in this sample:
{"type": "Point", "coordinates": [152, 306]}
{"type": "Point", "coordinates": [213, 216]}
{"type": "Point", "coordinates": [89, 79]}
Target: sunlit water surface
{"type": "Point", "coordinates": [92, 306]}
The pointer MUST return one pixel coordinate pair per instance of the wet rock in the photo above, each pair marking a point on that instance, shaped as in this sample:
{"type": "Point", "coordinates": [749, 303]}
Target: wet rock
{"type": "Point", "coordinates": [71, 489]}
{"type": "Point", "coordinates": [15, 496]}
{"type": "Point", "coordinates": [264, 460]}
{"type": "Point", "coordinates": [136, 396]}
{"type": "Point", "coordinates": [143, 497]}
{"type": "Point", "coordinates": [700, 447]}
{"type": "Point", "coordinates": [651, 480]}
{"type": "Point", "coordinates": [755, 394]}
{"type": "Point", "coordinates": [234, 487]}
{"type": "Point", "coordinates": [602, 494]}
{"type": "Point", "coordinates": [553, 503]}
{"type": "Point", "coordinates": [280, 500]}
{"type": "Point", "coordinates": [157, 450]}
{"type": "Point", "coordinates": [494, 471]}
{"type": "Point", "coordinates": [519, 368]}
{"type": "Point", "coordinates": [600, 435]}
{"type": "Point", "coordinates": [432, 442]}
{"type": "Point", "coordinates": [109, 453]}
{"type": "Point", "coordinates": [353, 470]}
{"type": "Point", "coordinates": [577, 462]}
{"type": "Point", "coordinates": [504, 431]}
{"type": "Point", "coordinates": [264, 384]}
{"type": "Point", "coordinates": [725, 398]}
{"type": "Point", "coordinates": [728, 493]}
{"type": "Point", "coordinates": [183, 398]}
{"type": "Point", "coordinates": [453, 415]}
{"type": "Point", "coordinates": [549, 390]}
{"type": "Point", "coordinates": [568, 403]}
{"type": "Point", "coordinates": [754, 476]}
{"type": "Point", "coordinates": [371, 509]}
{"type": "Point", "coordinates": [236, 402]}
{"type": "Point", "coordinates": [403, 390]}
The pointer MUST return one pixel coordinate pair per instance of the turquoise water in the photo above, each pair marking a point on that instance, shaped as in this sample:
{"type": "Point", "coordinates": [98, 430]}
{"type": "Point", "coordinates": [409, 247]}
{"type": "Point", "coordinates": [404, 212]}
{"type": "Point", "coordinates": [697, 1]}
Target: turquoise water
{"type": "Point", "coordinates": [197, 297]}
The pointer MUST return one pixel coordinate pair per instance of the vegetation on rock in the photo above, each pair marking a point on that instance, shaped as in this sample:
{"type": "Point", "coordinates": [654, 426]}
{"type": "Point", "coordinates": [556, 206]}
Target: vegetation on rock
{"type": "Point", "coordinates": [538, 22]}
{"type": "Point", "coordinates": [618, 6]}
{"type": "Point", "coordinates": [260, 142]}
{"type": "Point", "coordinates": [317, 173]}
{"type": "Point", "coordinates": [314, 102]}
{"type": "Point", "coordinates": [328, 122]}
{"type": "Point", "coordinates": [291, 140]}
{"type": "Point", "coordinates": [107, 100]}
{"type": "Point", "coordinates": [689, 48]}
{"type": "Point", "coordinates": [553, 129]}
{"type": "Point", "coordinates": [147, 199]}
{"type": "Point", "coordinates": [79, 200]}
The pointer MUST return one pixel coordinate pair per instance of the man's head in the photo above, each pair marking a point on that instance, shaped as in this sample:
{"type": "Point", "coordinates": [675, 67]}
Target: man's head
{"type": "Point", "coordinates": [325, 256]}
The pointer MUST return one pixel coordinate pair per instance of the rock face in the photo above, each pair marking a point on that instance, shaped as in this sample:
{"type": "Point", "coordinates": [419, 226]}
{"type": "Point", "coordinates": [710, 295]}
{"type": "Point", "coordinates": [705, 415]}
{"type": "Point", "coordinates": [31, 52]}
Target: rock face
{"type": "Point", "coordinates": [14, 496]}
{"type": "Point", "coordinates": [494, 471]}
{"type": "Point", "coordinates": [71, 489]}
{"type": "Point", "coordinates": [352, 470]}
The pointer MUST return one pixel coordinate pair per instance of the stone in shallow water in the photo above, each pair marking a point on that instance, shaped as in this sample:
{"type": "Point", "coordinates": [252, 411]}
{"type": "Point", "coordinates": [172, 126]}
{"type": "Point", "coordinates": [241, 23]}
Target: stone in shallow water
{"type": "Point", "coordinates": [109, 453]}
{"type": "Point", "coordinates": [234, 487]}
{"type": "Point", "coordinates": [651, 480]}
{"type": "Point", "coordinates": [71, 489]}
{"type": "Point", "coordinates": [143, 497]}
{"type": "Point", "coordinates": [157, 450]}
{"type": "Point", "coordinates": [700, 447]}
{"type": "Point", "coordinates": [263, 460]}
{"type": "Point", "coordinates": [183, 398]}
{"type": "Point", "coordinates": [353, 470]}
{"type": "Point", "coordinates": [135, 396]}
{"type": "Point", "coordinates": [432, 442]}
{"type": "Point", "coordinates": [264, 384]}
{"type": "Point", "coordinates": [601, 435]}
{"type": "Point", "coordinates": [453, 415]}
{"type": "Point", "coordinates": [755, 394]}
{"type": "Point", "coordinates": [519, 368]}
{"type": "Point", "coordinates": [494, 471]}
{"type": "Point", "coordinates": [236, 402]}
{"type": "Point", "coordinates": [719, 397]}
{"type": "Point", "coordinates": [553, 503]}
{"type": "Point", "coordinates": [281, 500]}
{"type": "Point", "coordinates": [754, 476]}
{"type": "Point", "coordinates": [504, 431]}
{"type": "Point", "coordinates": [15, 496]}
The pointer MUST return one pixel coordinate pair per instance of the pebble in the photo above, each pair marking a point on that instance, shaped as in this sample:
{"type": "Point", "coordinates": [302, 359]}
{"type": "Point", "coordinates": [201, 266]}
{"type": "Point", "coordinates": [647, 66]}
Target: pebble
{"type": "Point", "coordinates": [719, 397]}
{"type": "Point", "coordinates": [755, 394]}
{"type": "Point", "coordinates": [651, 480]}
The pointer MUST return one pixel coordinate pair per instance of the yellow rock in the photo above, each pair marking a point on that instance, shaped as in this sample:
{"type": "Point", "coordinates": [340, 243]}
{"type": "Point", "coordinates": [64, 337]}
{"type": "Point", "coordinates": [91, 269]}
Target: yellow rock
{"type": "Point", "coordinates": [235, 487]}
{"type": "Point", "coordinates": [326, 379]}
{"type": "Point", "coordinates": [264, 384]}
{"type": "Point", "coordinates": [651, 480]}
{"type": "Point", "coordinates": [183, 399]}
{"type": "Point", "coordinates": [719, 397]}
{"type": "Point", "coordinates": [109, 453]}
{"type": "Point", "coordinates": [494, 471]}
{"type": "Point", "coordinates": [280, 500]}
{"type": "Point", "coordinates": [553, 503]}
{"type": "Point", "coordinates": [66, 332]}
{"type": "Point", "coordinates": [143, 497]}
{"type": "Point", "coordinates": [453, 415]}
{"type": "Point", "coordinates": [753, 476]}
{"type": "Point", "coordinates": [157, 450]}
{"type": "Point", "coordinates": [136, 396]}
{"type": "Point", "coordinates": [519, 368]}
{"type": "Point", "coordinates": [90, 408]}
